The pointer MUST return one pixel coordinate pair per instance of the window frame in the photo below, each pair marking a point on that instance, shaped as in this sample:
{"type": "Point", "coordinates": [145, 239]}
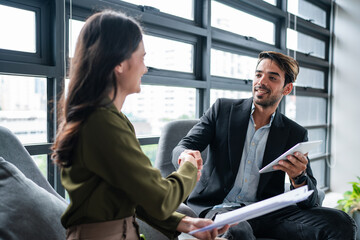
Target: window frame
{"type": "Point", "coordinates": [51, 58]}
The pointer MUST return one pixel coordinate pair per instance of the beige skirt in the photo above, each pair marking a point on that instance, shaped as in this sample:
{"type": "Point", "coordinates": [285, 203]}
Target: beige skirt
{"type": "Point", "coordinates": [123, 229]}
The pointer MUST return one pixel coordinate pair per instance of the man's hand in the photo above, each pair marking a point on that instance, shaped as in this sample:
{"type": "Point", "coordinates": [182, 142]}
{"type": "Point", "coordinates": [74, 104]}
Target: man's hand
{"type": "Point", "coordinates": [188, 224]}
{"type": "Point", "coordinates": [194, 157]}
{"type": "Point", "coordinates": [294, 165]}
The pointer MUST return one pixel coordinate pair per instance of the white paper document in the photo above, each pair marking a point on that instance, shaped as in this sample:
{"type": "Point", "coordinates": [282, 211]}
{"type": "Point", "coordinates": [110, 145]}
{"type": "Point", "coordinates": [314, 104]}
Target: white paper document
{"type": "Point", "coordinates": [259, 208]}
{"type": "Point", "coordinates": [303, 147]}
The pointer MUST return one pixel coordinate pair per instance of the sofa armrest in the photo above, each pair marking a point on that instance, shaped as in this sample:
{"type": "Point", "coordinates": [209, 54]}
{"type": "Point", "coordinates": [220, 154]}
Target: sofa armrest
{"type": "Point", "coordinates": [185, 209]}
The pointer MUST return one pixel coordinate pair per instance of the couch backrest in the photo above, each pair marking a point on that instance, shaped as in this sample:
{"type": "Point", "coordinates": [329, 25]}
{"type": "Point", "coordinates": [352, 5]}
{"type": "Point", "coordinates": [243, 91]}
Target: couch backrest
{"type": "Point", "coordinates": [12, 150]}
{"type": "Point", "coordinates": [171, 135]}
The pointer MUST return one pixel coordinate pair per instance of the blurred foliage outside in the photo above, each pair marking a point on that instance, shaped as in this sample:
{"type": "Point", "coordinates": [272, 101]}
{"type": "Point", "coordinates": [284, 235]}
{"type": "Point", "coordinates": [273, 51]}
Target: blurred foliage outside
{"type": "Point", "coordinates": [150, 152]}
{"type": "Point", "coordinates": [41, 162]}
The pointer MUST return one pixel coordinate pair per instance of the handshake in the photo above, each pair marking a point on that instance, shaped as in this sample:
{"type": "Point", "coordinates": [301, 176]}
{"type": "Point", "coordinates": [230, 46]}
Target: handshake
{"type": "Point", "coordinates": [188, 224]}
{"type": "Point", "coordinates": [194, 157]}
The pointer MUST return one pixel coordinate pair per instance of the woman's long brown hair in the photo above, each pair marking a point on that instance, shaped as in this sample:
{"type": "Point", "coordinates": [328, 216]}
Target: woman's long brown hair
{"type": "Point", "coordinates": [107, 39]}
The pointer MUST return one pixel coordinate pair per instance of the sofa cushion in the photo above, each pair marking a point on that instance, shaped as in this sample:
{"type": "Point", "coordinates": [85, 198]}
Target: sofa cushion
{"type": "Point", "coordinates": [27, 211]}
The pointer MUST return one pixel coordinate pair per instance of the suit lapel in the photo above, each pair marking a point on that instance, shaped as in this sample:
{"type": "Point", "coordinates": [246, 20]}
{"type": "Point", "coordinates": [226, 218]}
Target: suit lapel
{"type": "Point", "coordinates": [238, 124]}
{"type": "Point", "coordinates": [275, 146]}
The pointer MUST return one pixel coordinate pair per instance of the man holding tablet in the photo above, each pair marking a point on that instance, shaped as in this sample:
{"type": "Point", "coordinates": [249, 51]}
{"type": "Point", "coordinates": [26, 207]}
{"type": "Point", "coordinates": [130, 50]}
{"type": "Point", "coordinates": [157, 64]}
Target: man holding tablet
{"type": "Point", "coordinates": [244, 136]}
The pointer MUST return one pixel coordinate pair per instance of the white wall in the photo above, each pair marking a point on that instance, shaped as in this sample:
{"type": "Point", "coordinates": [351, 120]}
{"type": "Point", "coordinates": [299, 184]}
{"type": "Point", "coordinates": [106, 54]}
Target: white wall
{"type": "Point", "coordinates": [346, 95]}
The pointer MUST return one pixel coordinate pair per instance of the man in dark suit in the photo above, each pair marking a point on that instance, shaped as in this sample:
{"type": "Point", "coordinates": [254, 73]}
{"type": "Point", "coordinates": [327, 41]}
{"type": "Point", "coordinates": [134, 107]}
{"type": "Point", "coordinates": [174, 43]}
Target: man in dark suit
{"type": "Point", "coordinates": [245, 135]}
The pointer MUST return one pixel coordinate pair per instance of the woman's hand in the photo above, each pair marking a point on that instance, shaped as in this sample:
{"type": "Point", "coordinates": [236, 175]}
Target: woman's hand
{"type": "Point", "coordinates": [188, 224]}
{"type": "Point", "coordinates": [194, 157]}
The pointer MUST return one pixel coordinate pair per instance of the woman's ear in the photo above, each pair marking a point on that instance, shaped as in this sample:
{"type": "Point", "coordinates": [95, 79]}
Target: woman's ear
{"type": "Point", "coordinates": [119, 68]}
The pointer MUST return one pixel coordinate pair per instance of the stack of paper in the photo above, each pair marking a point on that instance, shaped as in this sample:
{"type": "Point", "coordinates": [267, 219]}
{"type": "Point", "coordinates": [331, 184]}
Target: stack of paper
{"type": "Point", "coordinates": [257, 209]}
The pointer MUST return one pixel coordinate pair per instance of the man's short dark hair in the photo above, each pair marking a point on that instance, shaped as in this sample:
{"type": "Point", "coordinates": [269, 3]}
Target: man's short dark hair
{"type": "Point", "coordinates": [287, 64]}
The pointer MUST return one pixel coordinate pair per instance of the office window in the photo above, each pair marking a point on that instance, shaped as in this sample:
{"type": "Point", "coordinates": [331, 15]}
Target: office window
{"type": "Point", "coordinates": [272, 2]}
{"type": "Point", "coordinates": [310, 78]}
{"type": "Point", "coordinates": [161, 53]}
{"type": "Point", "coordinates": [41, 162]}
{"type": "Point", "coordinates": [306, 110]}
{"type": "Point", "coordinates": [304, 43]}
{"type": "Point", "coordinates": [167, 54]}
{"type": "Point", "coordinates": [75, 27]}
{"type": "Point", "coordinates": [227, 64]}
{"type": "Point", "coordinates": [23, 103]}
{"type": "Point", "coordinates": [239, 22]}
{"type": "Point", "coordinates": [308, 11]}
{"type": "Point", "coordinates": [318, 167]}
{"type": "Point", "coordinates": [17, 28]}
{"type": "Point", "coordinates": [150, 151]}
{"type": "Point", "coordinates": [318, 134]}
{"type": "Point", "coordinates": [219, 93]}
{"type": "Point", "coordinates": [154, 106]}
{"type": "Point", "coordinates": [180, 8]}
{"type": "Point", "coordinates": [66, 86]}
{"type": "Point", "coordinates": [211, 59]}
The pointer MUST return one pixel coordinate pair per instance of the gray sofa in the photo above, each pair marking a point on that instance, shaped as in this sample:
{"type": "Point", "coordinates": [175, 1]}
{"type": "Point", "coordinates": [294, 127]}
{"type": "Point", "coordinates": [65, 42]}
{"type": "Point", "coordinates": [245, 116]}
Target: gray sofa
{"type": "Point", "coordinates": [29, 206]}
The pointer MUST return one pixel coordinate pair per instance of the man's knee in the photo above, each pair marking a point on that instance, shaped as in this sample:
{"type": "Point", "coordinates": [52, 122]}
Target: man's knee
{"type": "Point", "coordinates": [339, 224]}
{"type": "Point", "coordinates": [242, 230]}
{"type": "Point", "coordinates": [346, 224]}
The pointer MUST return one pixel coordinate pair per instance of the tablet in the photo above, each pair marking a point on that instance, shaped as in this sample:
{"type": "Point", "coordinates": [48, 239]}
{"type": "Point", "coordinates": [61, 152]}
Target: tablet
{"type": "Point", "coordinates": [303, 147]}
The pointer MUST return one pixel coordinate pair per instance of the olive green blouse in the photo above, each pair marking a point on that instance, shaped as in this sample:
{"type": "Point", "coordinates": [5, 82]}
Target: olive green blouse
{"type": "Point", "coordinates": [111, 178]}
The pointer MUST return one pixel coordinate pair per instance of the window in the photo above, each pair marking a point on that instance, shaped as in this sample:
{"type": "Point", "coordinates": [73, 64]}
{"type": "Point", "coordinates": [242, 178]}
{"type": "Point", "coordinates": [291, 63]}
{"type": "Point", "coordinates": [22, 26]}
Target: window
{"type": "Point", "coordinates": [23, 104]}
{"type": "Point", "coordinates": [181, 8]}
{"type": "Point", "coordinates": [232, 65]}
{"type": "Point", "coordinates": [310, 78]}
{"type": "Point", "coordinates": [150, 151]}
{"type": "Point", "coordinates": [41, 162]}
{"type": "Point", "coordinates": [218, 93]}
{"type": "Point", "coordinates": [272, 2]}
{"type": "Point", "coordinates": [168, 54]}
{"type": "Point", "coordinates": [318, 134]}
{"type": "Point", "coordinates": [193, 58]}
{"type": "Point", "coordinates": [306, 110]}
{"type": "Point", "coordinates": [308, 11]}
{"type": "Point", "coordinates": [17, 27]}
{"type": "Point", "coordinates": [154, 106]}
{"type": "Point", "coordinates": [236, 21]}
{"type": "Point", "coordinates": [318, 167]}
{"type": "Point", "coordinates": [161, 53]}
{"type": "Point", "coordinates": [74, 31]}
{"type": "Point", "coordinates": [305, 43]}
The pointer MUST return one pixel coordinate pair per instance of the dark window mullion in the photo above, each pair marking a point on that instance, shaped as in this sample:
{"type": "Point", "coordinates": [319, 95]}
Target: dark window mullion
{"type": "Point", "coordinates": [237, 40]}
{"type": "Point", "coordinates": [56, 85]}
{"type": "Point", "coordinates": [204, 94]}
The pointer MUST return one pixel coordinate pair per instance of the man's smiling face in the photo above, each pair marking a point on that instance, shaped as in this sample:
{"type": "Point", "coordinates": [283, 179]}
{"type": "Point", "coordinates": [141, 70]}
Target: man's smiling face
{"type": "Point", "coordinates": [268, 84]}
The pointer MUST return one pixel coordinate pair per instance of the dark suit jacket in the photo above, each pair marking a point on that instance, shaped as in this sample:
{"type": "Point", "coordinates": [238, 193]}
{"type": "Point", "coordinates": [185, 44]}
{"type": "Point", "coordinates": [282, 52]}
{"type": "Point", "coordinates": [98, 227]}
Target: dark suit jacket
{"type": "Point", "coordinates": [223, 127]}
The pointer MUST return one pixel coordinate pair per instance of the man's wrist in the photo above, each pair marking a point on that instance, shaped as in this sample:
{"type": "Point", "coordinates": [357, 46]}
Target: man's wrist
{"type": "Point", "coordinates": [300, 179]}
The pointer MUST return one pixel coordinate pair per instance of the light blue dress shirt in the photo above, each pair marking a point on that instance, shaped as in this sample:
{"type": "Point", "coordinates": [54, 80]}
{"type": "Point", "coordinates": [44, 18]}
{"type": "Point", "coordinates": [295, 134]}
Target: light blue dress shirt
{"type": "Point", "coordinates": [247, 179]}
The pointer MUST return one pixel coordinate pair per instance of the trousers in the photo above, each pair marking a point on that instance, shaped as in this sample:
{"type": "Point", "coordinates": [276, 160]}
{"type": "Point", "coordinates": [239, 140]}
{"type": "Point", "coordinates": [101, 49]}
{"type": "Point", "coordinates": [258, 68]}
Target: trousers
{"type": "Point", "coordinates": [293, 223]}
{"type": "Point", "coordinates": [122, 229]}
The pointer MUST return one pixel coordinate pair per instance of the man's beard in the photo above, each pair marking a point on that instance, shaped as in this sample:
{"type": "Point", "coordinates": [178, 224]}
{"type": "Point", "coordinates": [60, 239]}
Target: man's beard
{"type": "Point", "coordinates": [269, 102]}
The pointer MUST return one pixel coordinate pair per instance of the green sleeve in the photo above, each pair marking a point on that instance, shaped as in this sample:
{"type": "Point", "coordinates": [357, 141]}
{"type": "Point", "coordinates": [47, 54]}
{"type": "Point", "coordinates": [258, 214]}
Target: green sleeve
{"type": "Point", "coordinates": [112, 151]}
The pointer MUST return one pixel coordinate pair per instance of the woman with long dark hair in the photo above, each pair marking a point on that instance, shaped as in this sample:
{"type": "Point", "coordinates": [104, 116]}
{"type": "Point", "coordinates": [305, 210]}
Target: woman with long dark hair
{"type": "Point", "coordinates": [107, 176]}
